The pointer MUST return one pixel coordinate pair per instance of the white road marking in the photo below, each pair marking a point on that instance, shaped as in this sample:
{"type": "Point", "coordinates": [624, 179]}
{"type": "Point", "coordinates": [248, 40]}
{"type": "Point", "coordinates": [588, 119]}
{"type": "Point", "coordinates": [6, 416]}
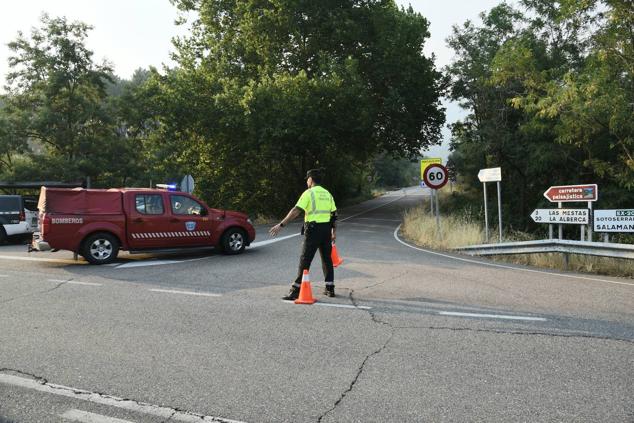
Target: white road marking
{"type": "Point", "coordinates": [171, 291]}
{"type": "Point", "coordinates": [271, 241]}
{"type": "Point", "coordinates": [491, 316]}
{"type": "Point", "coordinates": [74, 282]}
{"type": "Point", "coordinates": [334, 305]}
{"type": "Point", "coordinates": [501, 266]}
{"type": "Point", "coordinates": [143, 263]}
{"type": "Point", "coordinates": [364, 231]}
{"type": "Point", "coordinates": [147, 263]}
{"type": "Point", "coordinates": [83, 283]}
{"type": "Point", "coordinates": [49, 260]}
{"type": "Point", "coordinates": [86, 417]}
{"type": "Point", "coordinates": [343, 306]}
{"type": "Point", "coordinates": [138, 407]}
{"type": "Point", "coordinates": [4, 276]}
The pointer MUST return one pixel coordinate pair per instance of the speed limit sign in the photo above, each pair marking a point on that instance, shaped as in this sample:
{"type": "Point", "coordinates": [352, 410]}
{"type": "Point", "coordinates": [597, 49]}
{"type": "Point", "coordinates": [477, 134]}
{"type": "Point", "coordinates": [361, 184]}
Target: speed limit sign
{"type": "Point", "coordinates": [435, 176]}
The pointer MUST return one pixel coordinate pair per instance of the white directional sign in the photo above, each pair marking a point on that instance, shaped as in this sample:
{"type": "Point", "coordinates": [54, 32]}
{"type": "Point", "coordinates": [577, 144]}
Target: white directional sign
{"type": "Point", "coordinates": [570, 216]}
{"type": "Point", "coordinates": [493, 174]}
{"type": "Point", "coordinates": [614, 220]}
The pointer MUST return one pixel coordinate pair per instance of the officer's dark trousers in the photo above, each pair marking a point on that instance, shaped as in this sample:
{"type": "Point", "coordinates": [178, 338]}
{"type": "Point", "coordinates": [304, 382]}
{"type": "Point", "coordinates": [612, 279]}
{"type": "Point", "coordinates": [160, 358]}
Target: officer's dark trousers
{"type": "Point", "coordinates": [317, 236]}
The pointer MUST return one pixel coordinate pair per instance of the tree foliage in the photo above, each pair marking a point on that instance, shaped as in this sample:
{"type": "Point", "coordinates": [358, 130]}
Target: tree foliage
{"type": "Point", "coordinates": [56, 109]}
{"type": "Point", "coordinates": [266, 90]}
{"type": "Point", "coordinates": [550, 98]}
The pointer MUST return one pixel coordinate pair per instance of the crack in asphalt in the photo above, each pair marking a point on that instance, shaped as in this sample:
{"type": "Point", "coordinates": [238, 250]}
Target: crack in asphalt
{"type": "Point", "coordinates": [35, 293]}
{"type": "Point", "coordinates": [38, 379]}
{"type": "Point", "coordinates": [393, 278]}
{"type": "Point", "coordinates": [520, 332]}
{"type": "Point", "coordinates": [367, 358]}
{"type": "Point", "coordinates": [169, 418]}
{"type": "Point", "coordinates": [174, 410]}
{"type": "Point", "coordinates": [356, 377]}
{"type": "Point", "coordinates": [393, 330]}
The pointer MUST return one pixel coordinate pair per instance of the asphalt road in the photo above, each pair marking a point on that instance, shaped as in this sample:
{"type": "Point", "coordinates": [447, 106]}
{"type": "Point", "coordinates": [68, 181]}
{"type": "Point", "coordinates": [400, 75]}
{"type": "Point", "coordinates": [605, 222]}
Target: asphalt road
{"type": "Point", "coordinates": [411, 336]}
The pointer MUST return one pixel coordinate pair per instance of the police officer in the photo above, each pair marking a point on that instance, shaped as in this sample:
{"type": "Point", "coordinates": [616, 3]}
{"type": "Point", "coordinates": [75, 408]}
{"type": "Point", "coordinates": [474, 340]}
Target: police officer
{"type": "Point", "coordinates": [320, 226]}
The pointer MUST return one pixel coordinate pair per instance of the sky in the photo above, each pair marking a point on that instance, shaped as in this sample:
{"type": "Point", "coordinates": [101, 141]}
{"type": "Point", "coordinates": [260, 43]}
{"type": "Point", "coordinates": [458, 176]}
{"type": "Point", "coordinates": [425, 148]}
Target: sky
{"type": "Point", "coordinates": [132, 34]}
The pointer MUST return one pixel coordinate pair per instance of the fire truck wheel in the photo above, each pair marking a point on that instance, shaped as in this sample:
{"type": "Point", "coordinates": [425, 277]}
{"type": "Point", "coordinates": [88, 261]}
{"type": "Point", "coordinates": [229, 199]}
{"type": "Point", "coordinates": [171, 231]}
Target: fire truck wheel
{"type": "Point", "coordinates": [233, 241]}
{"type": "Point", "coordinates": [100, 248]}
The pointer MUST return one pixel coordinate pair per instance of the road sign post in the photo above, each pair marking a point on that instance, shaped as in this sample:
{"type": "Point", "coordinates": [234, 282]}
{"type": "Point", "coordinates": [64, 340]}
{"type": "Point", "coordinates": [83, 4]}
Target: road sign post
{"type": "Point", "coordinates": [561, 227]}
{"type": "Point", "coordinates": [486, 215]}
{"type": "Point", "coordinates": [493, 174]}
{"type": "Point", "coordinates": [435, 177]}
{"type": "Point", "coordinates": [437, 216]}
{"type": "Point", "coordinates": [500, 210]}
{"type": "Point", "coordinates": [590, 225]}
{"type": "Point", "coordinates": [424, 163]}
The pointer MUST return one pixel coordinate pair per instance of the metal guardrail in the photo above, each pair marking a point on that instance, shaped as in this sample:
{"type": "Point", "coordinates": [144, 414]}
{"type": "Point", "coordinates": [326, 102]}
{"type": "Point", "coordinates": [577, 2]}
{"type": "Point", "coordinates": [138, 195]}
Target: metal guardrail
{"type": "Point", "coordinates": [601, 249]}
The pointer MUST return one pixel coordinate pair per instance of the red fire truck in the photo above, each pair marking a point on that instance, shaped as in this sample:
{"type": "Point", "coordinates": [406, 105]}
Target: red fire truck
{"type": "Point", "coordinates": [97, 223]}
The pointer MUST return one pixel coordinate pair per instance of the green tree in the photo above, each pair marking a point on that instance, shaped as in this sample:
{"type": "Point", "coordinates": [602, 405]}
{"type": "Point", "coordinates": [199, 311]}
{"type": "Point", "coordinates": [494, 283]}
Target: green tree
{"type": "Point", "coordinates": [492, 134]}
{"type": "Point", "coordinates": [545, 101]}
{"type": "Point", "coordinates": [393, 172]}
{"type": "Point", "coordinates": [267, 90]}
{"type": "Point", "coordinates": [11, 146]}
{"type": "Point", "coordinates": [56, 101]}
{"type": "Point", "coordinates": [585, 95]}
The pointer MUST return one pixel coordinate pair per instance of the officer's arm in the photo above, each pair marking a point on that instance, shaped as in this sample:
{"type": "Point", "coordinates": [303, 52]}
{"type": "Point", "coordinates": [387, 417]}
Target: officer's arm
{"type": "Point", "coordinates": [292, 214]}
{"type": "Point", "coordinates": [333, 224]}
{"type": "Point", "coordinates": [295, 211]}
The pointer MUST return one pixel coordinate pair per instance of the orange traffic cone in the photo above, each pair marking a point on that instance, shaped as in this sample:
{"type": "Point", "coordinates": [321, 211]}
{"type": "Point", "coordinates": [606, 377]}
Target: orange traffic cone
{"type": "Point", "coordinates": [305, 291]}
{"type": "Point", "coordinates": [336, 260]}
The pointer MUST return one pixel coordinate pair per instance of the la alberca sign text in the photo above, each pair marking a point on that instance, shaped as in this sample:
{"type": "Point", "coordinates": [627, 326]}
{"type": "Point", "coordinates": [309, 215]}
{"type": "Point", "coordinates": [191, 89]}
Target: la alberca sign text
{"type": "Point", "coordinates": [564, 216]}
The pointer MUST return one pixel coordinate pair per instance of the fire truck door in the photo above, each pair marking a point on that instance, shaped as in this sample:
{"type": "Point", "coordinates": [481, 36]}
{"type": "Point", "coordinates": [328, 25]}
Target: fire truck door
{"type": "Point", "coordinates": [189, 221]}
{"type": "Point", "coordinates": [148, 221]}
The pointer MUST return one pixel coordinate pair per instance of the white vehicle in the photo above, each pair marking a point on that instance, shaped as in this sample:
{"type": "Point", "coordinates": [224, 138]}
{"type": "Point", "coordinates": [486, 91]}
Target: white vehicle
{"type": "Point", "coordinates": [18, 216]}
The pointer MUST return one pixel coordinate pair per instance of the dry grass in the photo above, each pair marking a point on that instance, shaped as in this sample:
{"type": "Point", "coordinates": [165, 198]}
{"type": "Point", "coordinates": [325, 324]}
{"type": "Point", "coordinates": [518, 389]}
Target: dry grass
{"type": "Point", "coordinates": [457, 231]}
{"type": "Point", "coordinates": [420, 227]}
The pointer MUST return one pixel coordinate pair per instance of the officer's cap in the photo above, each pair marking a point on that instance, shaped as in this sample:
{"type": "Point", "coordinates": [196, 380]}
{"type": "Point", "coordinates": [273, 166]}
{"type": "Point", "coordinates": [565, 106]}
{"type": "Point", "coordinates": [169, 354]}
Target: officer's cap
{"type": "Point", "coordinates": [314, 173]}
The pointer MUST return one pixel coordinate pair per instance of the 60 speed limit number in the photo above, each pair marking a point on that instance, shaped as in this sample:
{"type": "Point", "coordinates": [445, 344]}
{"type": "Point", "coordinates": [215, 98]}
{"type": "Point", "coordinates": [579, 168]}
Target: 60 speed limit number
{"type": "Point", "coordinates": [435, 176]}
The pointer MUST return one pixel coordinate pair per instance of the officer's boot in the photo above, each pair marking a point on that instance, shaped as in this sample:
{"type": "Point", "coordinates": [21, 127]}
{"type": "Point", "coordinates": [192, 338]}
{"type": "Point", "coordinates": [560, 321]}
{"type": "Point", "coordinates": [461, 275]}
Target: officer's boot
{"type": "Point", "coordinates": [329, 291]}
{"type": "Point", "coordinates": [292, 294]}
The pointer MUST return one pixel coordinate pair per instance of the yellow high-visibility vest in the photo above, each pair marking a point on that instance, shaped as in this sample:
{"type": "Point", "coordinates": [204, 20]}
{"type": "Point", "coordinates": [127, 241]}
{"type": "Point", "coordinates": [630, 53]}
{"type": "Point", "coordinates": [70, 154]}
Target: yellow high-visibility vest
{"type": "Point", "coordinates": [317, 204]}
